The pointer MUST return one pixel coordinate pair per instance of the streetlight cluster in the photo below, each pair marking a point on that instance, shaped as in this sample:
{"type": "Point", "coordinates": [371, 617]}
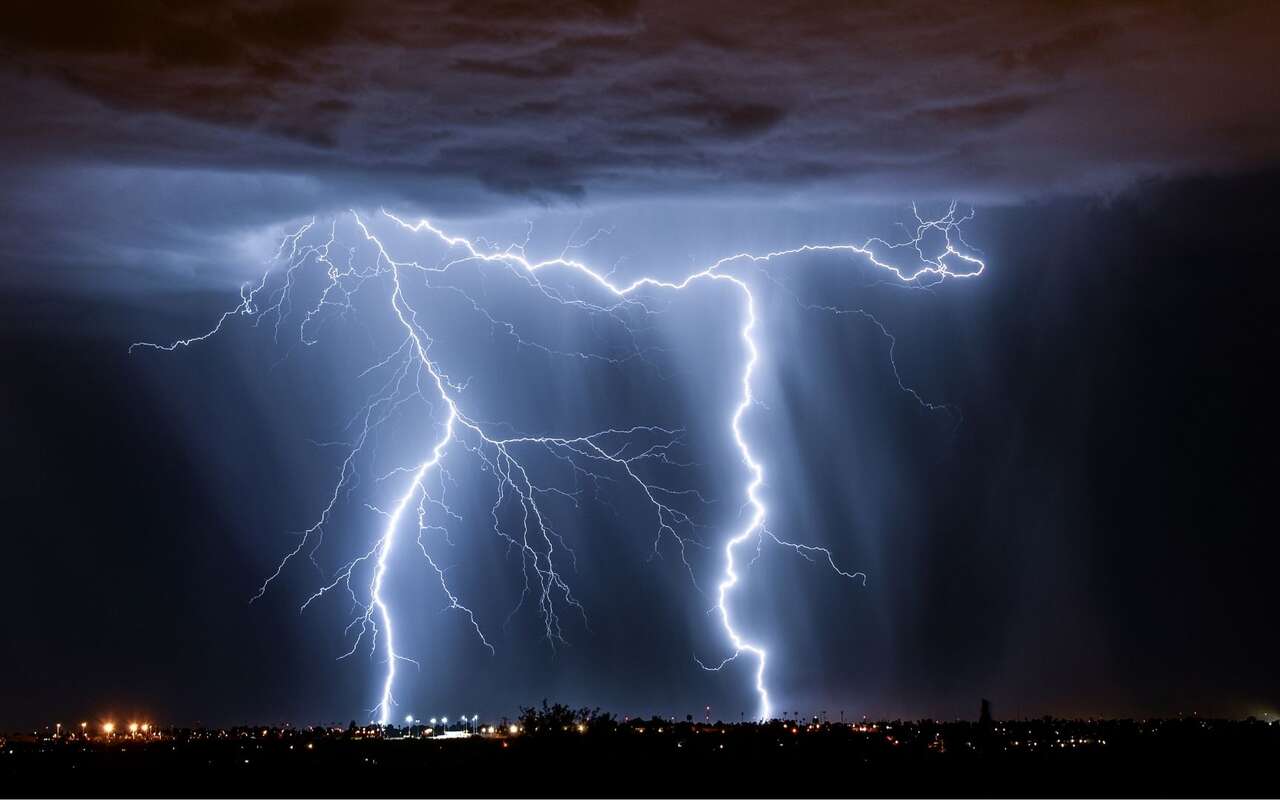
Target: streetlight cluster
{"type": "Point", "coordinates": [104, 729]}
{"type": "Point", "coordinates": [471, 724]}
{"type": "Point", "coordinates": [135, 730]}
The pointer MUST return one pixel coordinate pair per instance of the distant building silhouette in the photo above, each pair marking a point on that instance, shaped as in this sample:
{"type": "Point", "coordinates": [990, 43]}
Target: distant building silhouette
{"type": "Point", "coordinates": [986, 729]}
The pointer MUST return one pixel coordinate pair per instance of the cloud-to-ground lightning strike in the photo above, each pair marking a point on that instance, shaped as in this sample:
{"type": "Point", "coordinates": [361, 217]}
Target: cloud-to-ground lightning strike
{"type": "Point", "coordinates": [415, 375]}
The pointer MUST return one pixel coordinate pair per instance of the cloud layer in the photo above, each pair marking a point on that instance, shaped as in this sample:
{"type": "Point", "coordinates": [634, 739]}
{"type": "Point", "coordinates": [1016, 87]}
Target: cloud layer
{"type": "Point", "coordinates": [483, 102]}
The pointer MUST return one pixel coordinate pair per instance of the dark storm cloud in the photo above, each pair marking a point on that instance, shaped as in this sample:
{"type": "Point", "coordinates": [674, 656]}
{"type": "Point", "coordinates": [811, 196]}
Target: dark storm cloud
{"type": "Point", "coordinates": [614, 100]}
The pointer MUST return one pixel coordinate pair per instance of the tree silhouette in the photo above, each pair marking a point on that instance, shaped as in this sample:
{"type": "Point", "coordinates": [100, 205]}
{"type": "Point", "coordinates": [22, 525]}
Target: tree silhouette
{"type": "Point", "coordinates": [561, 720]}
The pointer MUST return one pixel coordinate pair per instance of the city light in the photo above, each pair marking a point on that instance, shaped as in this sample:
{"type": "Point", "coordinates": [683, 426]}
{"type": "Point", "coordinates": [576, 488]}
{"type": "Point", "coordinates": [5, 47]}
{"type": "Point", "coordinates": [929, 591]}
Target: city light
{"type": "Point", "coordinates": [1024, 739]}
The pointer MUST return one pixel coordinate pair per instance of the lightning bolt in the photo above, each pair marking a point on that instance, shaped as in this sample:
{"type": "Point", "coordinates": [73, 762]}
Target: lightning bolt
{"type": "Point", "coordinates": [414, 376]}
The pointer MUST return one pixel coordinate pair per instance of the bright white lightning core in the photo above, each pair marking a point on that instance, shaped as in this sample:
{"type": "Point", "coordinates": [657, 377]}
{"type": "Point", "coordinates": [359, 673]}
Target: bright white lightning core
{"type": "Point", "coordinates": [936, 251]}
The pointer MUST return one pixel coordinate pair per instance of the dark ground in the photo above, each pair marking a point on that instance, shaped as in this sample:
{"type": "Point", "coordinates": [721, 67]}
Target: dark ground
{"type": "Point", "coordinates": [1172, 758]}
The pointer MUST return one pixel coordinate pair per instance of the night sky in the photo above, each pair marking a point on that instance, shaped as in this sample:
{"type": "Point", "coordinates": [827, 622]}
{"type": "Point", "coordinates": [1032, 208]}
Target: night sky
{"type": "Point", "coordinates": [1086, 528]}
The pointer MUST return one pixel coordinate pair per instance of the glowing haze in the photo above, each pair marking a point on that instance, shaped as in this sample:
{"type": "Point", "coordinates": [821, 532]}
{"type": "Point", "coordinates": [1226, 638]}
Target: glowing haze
{"type": "Point", "coordinates": [934, 252]}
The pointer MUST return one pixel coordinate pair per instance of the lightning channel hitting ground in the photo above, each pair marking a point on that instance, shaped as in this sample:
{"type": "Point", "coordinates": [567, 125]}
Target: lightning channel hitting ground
{"type": "Point", "coordinates": [414, 376]}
